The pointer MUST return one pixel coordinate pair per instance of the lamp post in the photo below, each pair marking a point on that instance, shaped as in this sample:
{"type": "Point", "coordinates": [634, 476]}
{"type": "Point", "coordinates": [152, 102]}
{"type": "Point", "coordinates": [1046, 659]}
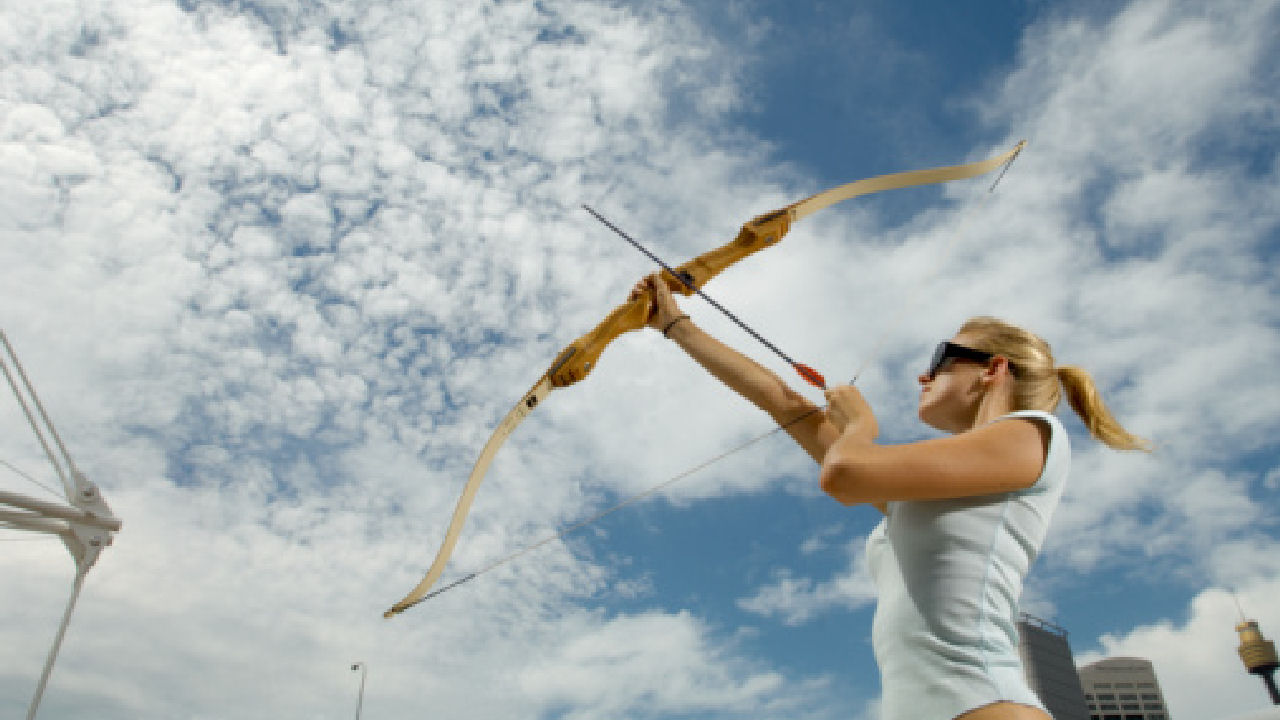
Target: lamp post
{"type": "Point", "coordinates": [364, 672]}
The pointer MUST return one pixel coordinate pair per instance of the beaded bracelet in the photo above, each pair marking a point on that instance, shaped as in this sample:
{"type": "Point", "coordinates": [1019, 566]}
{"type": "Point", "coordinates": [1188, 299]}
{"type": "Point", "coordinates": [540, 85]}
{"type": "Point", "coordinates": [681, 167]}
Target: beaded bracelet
{"type": "Point", "coordinates": [671, 324]}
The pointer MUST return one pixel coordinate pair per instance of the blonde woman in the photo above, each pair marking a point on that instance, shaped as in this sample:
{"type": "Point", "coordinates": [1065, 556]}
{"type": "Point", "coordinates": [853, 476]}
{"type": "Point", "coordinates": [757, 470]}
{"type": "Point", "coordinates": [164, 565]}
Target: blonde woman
{"type": "Point", "coordinates": [965, 514]}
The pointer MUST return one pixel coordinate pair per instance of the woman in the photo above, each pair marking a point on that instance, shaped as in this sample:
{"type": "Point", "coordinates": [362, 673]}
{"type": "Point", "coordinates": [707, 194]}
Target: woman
{"type": "Point", "coordinates": [965, 514]}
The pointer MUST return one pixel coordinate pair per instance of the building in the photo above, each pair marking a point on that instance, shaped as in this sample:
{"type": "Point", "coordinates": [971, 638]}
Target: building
{"type": "Point", "coordinates": [1123, 688]}
{"type": "Point", "coordinates": [1050, 668]}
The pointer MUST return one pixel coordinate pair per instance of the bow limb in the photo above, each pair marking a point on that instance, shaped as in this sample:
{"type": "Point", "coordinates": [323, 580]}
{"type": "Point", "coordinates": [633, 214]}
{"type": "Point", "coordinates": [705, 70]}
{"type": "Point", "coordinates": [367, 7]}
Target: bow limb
{"type": "Point", "coordinates": [766, 230]}
{"type": "Point", "coordinates": [508, 425]}
{"type": "Point", "coordinates": [897, 181]}
{"type": "Point", "coordinates": [579, 357]}
{"type": "Point", "coordinates": [570, 366]}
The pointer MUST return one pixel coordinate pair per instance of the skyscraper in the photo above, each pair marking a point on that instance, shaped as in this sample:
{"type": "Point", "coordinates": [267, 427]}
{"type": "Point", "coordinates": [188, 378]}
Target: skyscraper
{"type": "Point", "coordinates": [1123, 688]}
{"type": "Point", "coordinates": [1050, 668]}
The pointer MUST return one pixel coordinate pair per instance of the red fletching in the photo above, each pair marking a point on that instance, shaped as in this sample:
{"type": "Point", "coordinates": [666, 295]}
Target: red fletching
{"type": "Point", "coordinates": [811, 376]}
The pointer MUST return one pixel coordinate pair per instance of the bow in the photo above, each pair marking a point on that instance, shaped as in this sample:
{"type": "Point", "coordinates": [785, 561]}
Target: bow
{"type": "Point", "coordinates": [579, 358]}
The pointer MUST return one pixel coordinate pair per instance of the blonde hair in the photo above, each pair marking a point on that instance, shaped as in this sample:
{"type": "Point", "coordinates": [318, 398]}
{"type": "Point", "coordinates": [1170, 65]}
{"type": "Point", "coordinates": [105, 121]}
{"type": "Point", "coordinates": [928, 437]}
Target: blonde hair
{"type": "Point", "coordinates": [1039, 383]}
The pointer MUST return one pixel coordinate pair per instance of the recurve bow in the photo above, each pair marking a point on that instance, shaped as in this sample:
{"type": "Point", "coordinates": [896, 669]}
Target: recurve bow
{"type": "Point", "coordinates": [577, 360]}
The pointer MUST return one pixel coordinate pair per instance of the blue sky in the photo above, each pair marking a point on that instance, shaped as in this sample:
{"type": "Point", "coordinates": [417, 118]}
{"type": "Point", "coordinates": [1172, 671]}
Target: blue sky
{"type": "Point", "coordinates": [278, 269]}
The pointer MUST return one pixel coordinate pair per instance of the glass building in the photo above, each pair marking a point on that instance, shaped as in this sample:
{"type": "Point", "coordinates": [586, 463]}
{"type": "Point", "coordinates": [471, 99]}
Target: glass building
{"type": "Point", "coordinates": [1051, 669]}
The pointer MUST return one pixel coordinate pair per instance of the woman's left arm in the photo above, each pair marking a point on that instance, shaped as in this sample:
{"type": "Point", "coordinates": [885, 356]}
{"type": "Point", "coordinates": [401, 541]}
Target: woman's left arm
{"type": "Point", "coordinates": [999, 457]}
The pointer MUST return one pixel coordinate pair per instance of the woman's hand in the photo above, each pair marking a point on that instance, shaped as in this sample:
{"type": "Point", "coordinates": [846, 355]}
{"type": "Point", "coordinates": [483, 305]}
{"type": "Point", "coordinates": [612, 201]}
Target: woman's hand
{"type": "Point", "coordinates": [848, 410]}
{"type": "Point", "coordinates": [665, 309]}
{"type": "Point", "coordinates": [844, 467]}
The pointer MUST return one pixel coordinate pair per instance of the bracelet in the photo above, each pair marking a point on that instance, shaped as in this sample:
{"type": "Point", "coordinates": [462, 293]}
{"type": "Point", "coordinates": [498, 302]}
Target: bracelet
{"type": "Point", "coordinates": [671, 324]}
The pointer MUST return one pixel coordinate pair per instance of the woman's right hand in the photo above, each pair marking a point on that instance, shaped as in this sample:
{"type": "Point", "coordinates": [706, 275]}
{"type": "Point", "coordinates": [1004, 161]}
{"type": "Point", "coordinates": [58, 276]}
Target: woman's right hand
{"type": "Point", "coordinates": [665, 309]}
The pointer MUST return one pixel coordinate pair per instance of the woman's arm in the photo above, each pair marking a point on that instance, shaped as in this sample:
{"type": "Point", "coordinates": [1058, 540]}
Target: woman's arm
{"type": "Point", "coordinates": [759, 385]}
{"type": "Point", "coordinates": [1000, 457]}
{"type": "Point", "coordinates": [805, 422]}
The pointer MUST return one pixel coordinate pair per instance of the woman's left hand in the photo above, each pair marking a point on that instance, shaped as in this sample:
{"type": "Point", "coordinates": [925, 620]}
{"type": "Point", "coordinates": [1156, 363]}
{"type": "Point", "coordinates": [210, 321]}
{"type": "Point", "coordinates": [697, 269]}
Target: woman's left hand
{"type": "Point", "coordinates": [665, 309]}
{"type": "Point", "coordinates": [847, 409]}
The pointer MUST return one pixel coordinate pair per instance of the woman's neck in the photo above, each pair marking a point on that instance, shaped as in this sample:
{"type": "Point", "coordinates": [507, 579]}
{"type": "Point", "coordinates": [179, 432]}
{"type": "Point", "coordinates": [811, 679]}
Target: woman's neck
{"type": "Point", "coordinates": [993, 406]}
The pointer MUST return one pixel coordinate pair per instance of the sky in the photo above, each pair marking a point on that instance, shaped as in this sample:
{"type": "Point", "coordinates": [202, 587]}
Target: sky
{"type": "Point", "coordinates": [278, 268]}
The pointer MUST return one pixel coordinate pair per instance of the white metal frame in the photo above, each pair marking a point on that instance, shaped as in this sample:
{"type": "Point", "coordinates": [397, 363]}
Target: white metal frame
{"type": "Point", "coordinates": [85, 525]}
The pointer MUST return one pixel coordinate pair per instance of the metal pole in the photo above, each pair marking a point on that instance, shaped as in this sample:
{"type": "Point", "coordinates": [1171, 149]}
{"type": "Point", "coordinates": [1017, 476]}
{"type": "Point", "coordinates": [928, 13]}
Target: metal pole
{"type": "Point", "coordinates": [58, 510]}
{"type": "Point", "coordinates": [82, 569]}
{"type": "Point", "coordinates": [364, 672]}
{"type": "Point", "coordinates": [67, 483]}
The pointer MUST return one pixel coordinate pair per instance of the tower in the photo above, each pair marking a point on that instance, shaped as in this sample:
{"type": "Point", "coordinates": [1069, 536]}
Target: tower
{"type": "Point", "coordinates": [1259, 655]}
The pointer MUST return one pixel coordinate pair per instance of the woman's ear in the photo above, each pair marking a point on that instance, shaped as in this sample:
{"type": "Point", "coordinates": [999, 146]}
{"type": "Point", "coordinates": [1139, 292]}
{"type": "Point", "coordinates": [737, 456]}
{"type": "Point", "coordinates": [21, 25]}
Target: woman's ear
{"type": "Point", "coordinates": [996, 367]}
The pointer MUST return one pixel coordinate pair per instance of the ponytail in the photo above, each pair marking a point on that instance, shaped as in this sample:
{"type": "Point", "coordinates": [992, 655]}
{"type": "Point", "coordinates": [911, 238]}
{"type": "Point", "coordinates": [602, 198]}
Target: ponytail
{"type": "Point", "coordinates": [1083, 397]}
{"type": "Point", "coordinates": [1039, 383]}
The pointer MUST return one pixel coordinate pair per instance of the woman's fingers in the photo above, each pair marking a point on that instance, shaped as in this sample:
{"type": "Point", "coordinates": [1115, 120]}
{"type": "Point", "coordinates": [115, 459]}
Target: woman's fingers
{"type": "Point", "coordinates": [842, 405]}
{"type": "Point", "coordinates": [665, 308]}
{"type": "Point", "coordinates": [846, 406]}
{"type": "Point", "coordinates": [640, 288]}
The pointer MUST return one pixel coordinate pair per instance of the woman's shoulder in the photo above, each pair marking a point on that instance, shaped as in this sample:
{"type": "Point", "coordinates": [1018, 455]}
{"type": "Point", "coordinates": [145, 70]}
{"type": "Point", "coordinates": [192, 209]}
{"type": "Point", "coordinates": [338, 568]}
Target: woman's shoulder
{"type": "Point", "coordinates": [1057, 450]}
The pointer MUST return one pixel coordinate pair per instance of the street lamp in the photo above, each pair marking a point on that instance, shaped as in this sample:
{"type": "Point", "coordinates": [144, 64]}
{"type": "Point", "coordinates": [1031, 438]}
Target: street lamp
{"type": "Point", "coordinates": [364, 672]}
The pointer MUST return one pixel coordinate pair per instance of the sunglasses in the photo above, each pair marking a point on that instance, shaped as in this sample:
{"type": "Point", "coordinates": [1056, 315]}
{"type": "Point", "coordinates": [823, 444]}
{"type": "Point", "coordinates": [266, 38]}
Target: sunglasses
{"type": "Point", "coordinates": [949, 351]}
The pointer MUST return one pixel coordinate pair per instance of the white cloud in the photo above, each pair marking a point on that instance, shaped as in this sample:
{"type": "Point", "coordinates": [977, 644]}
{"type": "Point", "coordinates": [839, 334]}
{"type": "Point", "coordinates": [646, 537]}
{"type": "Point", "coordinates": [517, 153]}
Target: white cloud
{"type": "Point", "coordinates": [291, 287]}
{"type": "Point", "coordinates": [666, 664]}
{"type": "Point", "coordinates": [795, 601]}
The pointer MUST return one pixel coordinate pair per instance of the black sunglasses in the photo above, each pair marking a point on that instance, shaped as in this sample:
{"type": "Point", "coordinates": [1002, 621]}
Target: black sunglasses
{"type": "Point", "coordinates": [948, 351]}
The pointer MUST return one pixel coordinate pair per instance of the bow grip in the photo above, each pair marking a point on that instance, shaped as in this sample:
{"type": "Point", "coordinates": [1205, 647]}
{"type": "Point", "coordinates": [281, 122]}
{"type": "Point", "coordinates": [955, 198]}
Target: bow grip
{"type": "Point", "coordinates": [577, 360]}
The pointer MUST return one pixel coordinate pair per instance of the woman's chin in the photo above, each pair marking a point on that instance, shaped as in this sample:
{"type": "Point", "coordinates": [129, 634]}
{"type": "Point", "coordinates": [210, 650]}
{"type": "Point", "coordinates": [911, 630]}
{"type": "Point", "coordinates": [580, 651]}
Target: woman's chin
{"type": "Point", "coordinates": [924, 408]}
{"type": "Point", "coordinates": [929, 416]}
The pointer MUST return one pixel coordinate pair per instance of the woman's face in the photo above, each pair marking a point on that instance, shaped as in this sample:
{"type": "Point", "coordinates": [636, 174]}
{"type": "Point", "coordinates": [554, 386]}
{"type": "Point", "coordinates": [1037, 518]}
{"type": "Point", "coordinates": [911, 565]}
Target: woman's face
{"type": "Point", "coordinates": [950, 399]}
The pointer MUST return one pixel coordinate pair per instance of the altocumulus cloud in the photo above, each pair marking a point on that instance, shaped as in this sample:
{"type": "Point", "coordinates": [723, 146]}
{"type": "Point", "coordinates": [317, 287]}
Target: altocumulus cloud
{"type": "Point", "coordinates": [278, 269]}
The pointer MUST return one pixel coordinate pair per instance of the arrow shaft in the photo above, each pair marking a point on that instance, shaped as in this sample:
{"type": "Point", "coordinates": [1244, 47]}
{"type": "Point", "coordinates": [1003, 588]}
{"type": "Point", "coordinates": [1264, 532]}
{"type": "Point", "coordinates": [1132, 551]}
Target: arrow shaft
{"type": "Point", "coordinates": [710, 300]}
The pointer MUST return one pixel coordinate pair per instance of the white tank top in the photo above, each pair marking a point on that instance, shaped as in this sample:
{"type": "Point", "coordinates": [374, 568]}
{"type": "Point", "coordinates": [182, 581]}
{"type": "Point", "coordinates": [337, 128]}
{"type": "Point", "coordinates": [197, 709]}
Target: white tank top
{"type": "Point", "coordinates": [949, 575]}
